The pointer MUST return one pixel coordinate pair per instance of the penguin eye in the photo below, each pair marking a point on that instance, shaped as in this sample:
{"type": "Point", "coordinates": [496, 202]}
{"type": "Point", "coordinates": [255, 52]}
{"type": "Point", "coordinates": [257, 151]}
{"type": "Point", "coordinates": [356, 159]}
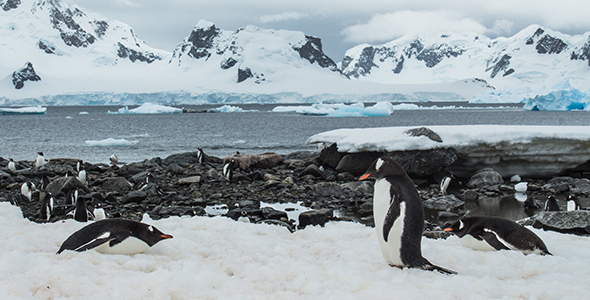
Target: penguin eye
{"type": "Point", "coordinates": [151, 228]}
{"type": "Point", "coordinates": [461, 225]}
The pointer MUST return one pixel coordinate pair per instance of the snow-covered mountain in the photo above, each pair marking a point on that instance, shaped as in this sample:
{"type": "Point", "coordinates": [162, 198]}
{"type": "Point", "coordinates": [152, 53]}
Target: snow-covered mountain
{"type": "Point", "coordinates": [535, 56]}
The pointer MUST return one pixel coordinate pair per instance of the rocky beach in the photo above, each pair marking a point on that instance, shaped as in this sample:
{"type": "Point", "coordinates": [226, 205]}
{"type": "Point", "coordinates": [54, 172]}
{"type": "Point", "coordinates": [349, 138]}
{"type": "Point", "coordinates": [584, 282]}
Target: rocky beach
{"type": "Point", "coordinates": [324, 183]}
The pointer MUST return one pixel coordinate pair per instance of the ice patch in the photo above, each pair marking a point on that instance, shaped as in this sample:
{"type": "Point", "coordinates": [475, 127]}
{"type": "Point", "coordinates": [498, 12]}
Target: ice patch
{"type": "Point", "coordinates": [36, 110]}
{"type": "Point", "coordinates": [83, 113]}
{"type": "Point", "coordinates": [148, 108]}
{"type": "Point", "coordinates": [341, 110]}
{"type": "Point", "coordinates": [110, 142]}
{"type": "Point", "coordinates": [229, 109]}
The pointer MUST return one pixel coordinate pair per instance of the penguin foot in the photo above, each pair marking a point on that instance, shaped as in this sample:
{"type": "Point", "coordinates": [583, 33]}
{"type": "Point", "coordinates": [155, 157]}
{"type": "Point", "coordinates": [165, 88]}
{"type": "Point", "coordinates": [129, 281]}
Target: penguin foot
{"type": "Point", "coordinates": [431, 267]}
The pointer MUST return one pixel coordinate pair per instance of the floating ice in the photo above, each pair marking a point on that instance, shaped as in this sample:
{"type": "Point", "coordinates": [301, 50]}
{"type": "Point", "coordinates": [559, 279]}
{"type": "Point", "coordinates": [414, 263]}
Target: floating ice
{"type": "Point", "coordinates": [358, 109]}
{"type": "Point", "coordinates": [83, 113]}
{"type": "Point", "coordinates": [521, 187]}
{"type": "Point", "coordinates": [110, 142]}
{"type": "Point", "coordinates": [509, 95]}
{"type": "Point", "coordinates": [148, 108]}
{"type": "Point", "coordinates": [229, 109]}
{"type": "Point", "coordinates": [36, 110]}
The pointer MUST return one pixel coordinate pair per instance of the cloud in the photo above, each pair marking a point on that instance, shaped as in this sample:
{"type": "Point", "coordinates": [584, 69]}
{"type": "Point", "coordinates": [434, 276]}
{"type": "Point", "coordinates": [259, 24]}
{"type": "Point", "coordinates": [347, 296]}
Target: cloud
{"type": "Point", "coordinates": [501, 28]}
{"type": "Point", "coordinates": [125, 3]}
{"type": "Point", "coordinates": [286, 16]}
{"type": "Point", "coordinates": [387, 27]}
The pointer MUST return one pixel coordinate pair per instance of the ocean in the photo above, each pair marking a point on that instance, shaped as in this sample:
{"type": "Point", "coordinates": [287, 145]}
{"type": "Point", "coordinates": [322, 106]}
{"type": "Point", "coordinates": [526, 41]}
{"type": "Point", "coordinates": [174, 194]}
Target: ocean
{"type": "Point", "coordinates": [63, 131]}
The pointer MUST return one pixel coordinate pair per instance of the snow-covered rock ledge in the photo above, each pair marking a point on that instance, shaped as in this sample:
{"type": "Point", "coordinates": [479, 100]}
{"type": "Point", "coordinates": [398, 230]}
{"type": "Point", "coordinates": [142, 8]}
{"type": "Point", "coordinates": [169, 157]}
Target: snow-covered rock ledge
{"type": "Point", "coordinates": [535, 151]}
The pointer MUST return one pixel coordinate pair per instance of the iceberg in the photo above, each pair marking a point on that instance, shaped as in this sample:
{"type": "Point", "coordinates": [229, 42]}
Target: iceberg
{"type": "Point", "coordinates": [509, 95]}
{"type": "Point", "coordinates": [110, 142]}
{"type": "Point", "coordinates": [229, 109]}
{"type": "Point", "coordinates": [35, 110]}
{"type": "Point", "coordinates": [148, 108]}
{"type": "Point", "coordinates": [561, 96]}
{"type": "Point", "coordinates": [358, 109]}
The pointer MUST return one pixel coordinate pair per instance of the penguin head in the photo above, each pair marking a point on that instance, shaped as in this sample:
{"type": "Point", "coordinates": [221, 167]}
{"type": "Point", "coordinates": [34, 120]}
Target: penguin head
{"type": "Point", "coordinates": [10, 159]}
{"type": "Point", "coordinates": [459, 228]}
{"type": "Point", "coordinates": [383, 167]}
{"type": "Point", "coordinates": [40, 153]}
{"type": "Point", "coordinates": [151, 235]}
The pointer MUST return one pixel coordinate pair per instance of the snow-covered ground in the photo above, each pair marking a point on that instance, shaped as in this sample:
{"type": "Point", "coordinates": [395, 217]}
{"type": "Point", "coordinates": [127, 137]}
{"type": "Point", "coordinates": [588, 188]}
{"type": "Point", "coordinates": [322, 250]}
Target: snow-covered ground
{"type": "Point", "coordinates": [218, 258]}
{"type": "Point", "coordinates": [395, 138]}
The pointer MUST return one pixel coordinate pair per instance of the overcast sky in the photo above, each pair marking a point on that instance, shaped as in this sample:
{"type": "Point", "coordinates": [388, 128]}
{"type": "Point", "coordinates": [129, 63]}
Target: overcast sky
{"type": "Point", "coordinates": [342, 24]}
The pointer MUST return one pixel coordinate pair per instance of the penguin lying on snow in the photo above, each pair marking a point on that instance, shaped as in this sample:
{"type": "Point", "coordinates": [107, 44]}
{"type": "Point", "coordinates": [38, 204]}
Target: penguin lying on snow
{"type": "Point", "coordinates": [399, 216]}
{"type": "Point", "coordinates": [114, 236]}
{"type": "Point", "coordinates": [491, 233]}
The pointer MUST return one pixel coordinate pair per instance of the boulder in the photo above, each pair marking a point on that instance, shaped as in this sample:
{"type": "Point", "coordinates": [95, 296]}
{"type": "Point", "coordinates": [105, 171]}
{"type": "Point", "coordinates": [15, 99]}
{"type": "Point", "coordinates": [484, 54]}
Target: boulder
{"type": "Point", "coordinates": [182, 159]}
{"type": "Point", "coordinates": [189, 180]}
{"type": "Point", "coordinates": [356, 163]}
{"type": "Point", "coordinates": [64, 185]}
{"type": "Point", "coordinates": [118, 184]}
{"type": "Point", "coordinates": [444, 202]}
{"type": "Point", "coordinates": [134, 197]}
{"type": "Point", "coordinates": [330, 156]}
{"type": "Point", "coordinates": [328, 189]}
{"type": "Point", "coordinates": [269, 160]}
{"type": "Point", "coordinates": [26, 73]}
{"type": "Point", "coordinates": [312, 170]}
{"type": "Point", "coordinates": [421, 163]}
{"type": "Point", "coordinates": [485, 178]}
{"type": "Point", "coordinates": [574, 222]}
{"type": "Point", "coordinates": [315, 217]}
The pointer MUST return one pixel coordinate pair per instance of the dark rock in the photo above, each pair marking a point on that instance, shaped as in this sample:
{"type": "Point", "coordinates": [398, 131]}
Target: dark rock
{"type": "Point", "coordinates": [485, 178]}
{"type": "Point", "coordinates": [444, 202]}
{"type": "Point", "coordinates": [315, 217]}
{"type": "Point", "coordinates": [312, 51]}
{"type": "Point", "coordinates": [500, 64]}
{"type": "Point", "coordinates": [330, 156]}
{"type": "Point", "coordinates": [117, 184]}
{"type": "Point", "coordinates": [63, 185]}
{"type": "Point", "coordinates": [134, 197]}
{"type": "Point", "coordinates": [361, 187]}
{"type": "Point", "coordinates": [302, 155]}
{"type": "Point", "coordinates": [312, 170]}
{"type": "Point", "coordinates": [445, 215]}
{"type": "Point", "coordinates": [182, 159]}
{"type": "Point", "coordinates": [574, 222]}
{"type": "Point", "coordinates": [10, 4]}
{"type": "Point", "coordinates": [133, 55]}
{"type": "Point", "coordinates": [424, 131]}
{"type": "Point", "coordinates": [356, 163]}
{"type": "Point", "coordinates": [250, 204]}
{"type": "Point", "coordinates": [345, 176]}
{"type": "Point", "coordinates": [26, 73]}
{"type": "Point", "coordinates": [244, 74]}
{"type": "Point", "coordinates": [469, 195]}
{"type": "Point", "coordinates": [175, 169]}
{"type": "Point", "coordinates": [189, 180]}
{"type": "Point", "coordinates": [422, 163]}
{"type": "Point", "coordinates": [328, 189]}
{"type": "Point", "coordinates": [273, 214]}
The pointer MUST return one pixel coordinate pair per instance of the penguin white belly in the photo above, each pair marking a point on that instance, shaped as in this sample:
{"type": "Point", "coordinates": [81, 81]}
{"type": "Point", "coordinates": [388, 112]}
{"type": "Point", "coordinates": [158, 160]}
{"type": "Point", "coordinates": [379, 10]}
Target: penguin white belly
{"type": "Point", "coordinates": [571, 206]}
{"type": "Point", "coordinates": [99, 214]}
{"type": "Point", "coordinates": [381, 200]}
{"type": "Point", "coordinates": [470, 242]}
{"type": "Point", "coordinates": [40, 161]}
{"type": "Point", "coordinates": [130, 245]}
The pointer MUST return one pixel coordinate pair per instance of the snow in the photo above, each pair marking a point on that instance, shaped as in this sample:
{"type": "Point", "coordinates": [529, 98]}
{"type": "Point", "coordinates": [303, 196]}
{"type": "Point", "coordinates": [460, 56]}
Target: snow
{"type": "Point", "coordinates": [148, 108]}
{"type": "Point", "coordinates": [395, 138]}
{"type": "Point", "coordinates": [23, 110]}
{"type": "Point", "coordinates": [218, 258]}
{"type": "Point", "coordinates": [110, 142]}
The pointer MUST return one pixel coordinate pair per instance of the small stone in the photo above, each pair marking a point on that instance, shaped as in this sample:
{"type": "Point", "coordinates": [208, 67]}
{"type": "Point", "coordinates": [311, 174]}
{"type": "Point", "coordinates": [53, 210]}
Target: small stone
{"type": "Point", "coordinates": [189, 180]}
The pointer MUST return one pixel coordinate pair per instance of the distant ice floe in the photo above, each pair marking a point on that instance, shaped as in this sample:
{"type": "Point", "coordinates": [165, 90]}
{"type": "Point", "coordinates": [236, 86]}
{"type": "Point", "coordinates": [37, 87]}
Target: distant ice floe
{"type": "Point", "coordinates": [33, 110]}
{"type": "Point", "coordinates": [148, 108]}
{"type": "Point", "coordinates": [83, 113]}
{"type": "Point", "coordinates": [110, 142]}
{"type": "Point", "coordinates": [343, 110]}
{"type": "Point", "coordinates": [229, 109]}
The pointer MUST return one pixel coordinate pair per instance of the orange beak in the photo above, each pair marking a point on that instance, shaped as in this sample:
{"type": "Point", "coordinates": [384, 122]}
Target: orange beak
{"type": "Point", "coordinates": [365, 176]}
{"type": "Point", "coordinates": [166, 236]}
{"type": "Point", "coordinates": [448, 229]}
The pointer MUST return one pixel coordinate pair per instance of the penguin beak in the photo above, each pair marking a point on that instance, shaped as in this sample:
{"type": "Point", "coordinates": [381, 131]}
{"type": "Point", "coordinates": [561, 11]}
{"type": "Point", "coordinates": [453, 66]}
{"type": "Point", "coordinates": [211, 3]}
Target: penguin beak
{"type": "Point", "coordinates": [448, 229]}
{"type": "Point", "coordinates": [365, 176]}
{"type": "Point", "coordinates": [166, 236]}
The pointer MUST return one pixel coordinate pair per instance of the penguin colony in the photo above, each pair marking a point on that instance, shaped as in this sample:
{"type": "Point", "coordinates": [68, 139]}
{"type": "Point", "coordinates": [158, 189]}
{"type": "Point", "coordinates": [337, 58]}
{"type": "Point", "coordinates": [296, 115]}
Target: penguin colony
{"type": "Point", "coordinates": [397, 211]}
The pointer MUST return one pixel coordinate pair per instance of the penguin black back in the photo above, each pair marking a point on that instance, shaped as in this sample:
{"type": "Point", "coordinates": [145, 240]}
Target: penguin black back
{"type": "Point", "coordinates": [551, 204]}
{"type": "Point", "coordinates": [113, 232]}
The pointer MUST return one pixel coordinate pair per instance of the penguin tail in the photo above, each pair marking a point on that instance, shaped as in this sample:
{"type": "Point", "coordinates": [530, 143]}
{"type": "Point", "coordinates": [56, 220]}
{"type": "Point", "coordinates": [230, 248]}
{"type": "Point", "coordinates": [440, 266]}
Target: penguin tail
{"type": "Point", "coordinates": [431, 267]}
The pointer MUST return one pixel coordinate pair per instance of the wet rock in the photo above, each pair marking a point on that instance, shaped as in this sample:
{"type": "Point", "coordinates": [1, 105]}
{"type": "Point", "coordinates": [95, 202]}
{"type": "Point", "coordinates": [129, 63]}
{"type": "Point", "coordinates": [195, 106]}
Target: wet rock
{"type": "Point", "coordinates": [356, 163]}
{"type": "Point", "coordinates": [295, 164]}
{"type": "Point", "coordinates": [330, 156]}
{"type": "Point", "coordinates": [134, 197]}
{"type": "Point", "coordinates": [273, 214]}
{"type": "Point", "coordinates": [444, 202]}
{"type": "Point", "coordinates": [574, 222]}
{"type": "Point", "coordinates": [328, 189]}
{"type": "Point", "coordinates": [485, 178]}
{"type": "Point", "coordinates": [312, 170]}
{"type": "Point", "coordinates": [360, 187]}
{"type": "Point", "coordinates": [118, 184]}
{"type": "Point", "coordinates": [469, 195]}
{"type": "Point", "coordinates": [315, 217]}
{"type": "Point", "coordinates": [175, 169]}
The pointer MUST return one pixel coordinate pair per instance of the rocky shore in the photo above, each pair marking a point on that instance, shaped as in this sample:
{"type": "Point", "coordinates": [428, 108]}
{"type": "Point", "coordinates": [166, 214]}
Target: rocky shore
{"type": "Point", "coordinates": [325, 183]}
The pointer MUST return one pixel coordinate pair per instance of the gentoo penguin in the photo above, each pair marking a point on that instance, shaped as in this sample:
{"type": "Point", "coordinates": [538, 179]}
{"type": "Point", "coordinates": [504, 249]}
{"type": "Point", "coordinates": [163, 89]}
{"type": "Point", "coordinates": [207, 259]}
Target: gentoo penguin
{"type": "Point", "coordinates": [444, 183]}
{"type": "Point", "coordinates": [573, 203]}
{"type": "Point", "coordinates": [200, 155]}
{"type": "Point", "coordinates": [149, 178]}
{"type": "Point", "coordinates": [46, 206]}
{"type": "Point", "coordinates": [11, 165]}
{"type": "Point", "coordinates": [99, 213]}
{"type": "Point", "coordinates": [40, 160]}
{"type": "Point", "coordinates": [81, 212]}
{"type": "Point", "coordinates": [82, 174]}
{"type": "Point", "coordinates": [399, 216]}
{"type": "Point", "coordinates": [551, 204]}
{"type": "Point", "coordinates": [244, 217]}
{"type": "Point", "coordinates": [114, 236]}
{"type": "Point", "coordinates": [492, 233]}
{"type": "Point", "coordinates": [531, 203]}
{"type": "Point", "coordinates": [45, 182]}
{"type": "Point", "coordinates": [26, 189]}
{"type": "Point", "coordinates": [228, 170]}
{"type": "Point", "coordinates": [114, 160]}
{"type": "Point", "coordinates": [72, 197]}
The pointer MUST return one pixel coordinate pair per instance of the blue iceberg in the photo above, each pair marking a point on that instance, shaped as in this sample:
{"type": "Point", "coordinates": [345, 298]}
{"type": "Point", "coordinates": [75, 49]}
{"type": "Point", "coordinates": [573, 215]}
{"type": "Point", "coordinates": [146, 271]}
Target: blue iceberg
{"type": "Point", "coordinates": [561, 96]}
{"type": "Point", "coordinates": [35, 110]}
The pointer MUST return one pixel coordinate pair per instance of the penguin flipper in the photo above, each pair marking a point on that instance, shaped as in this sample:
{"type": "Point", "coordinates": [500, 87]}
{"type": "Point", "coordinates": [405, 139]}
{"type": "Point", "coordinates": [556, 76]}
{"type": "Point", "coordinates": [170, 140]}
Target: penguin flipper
{"type": "Point", "coordinates": [491, 238]}
{"type": "Point", "coordinates": [392, 215]}
{"type": "Point", "coordinates": [93, 244]}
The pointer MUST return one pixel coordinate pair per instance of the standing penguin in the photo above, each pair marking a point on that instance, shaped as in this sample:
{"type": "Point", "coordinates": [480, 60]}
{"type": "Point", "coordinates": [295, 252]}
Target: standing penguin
{"type": "Point", "coordinates": [82, 173]}
{"type": "Point", "coordinates": [399, 216]}
{"type": "Point", "coordinates": [114, 160]}
{"type": "Point", "coordinates": [45, 182]}
{"type": "Point", "coordinates": [200, 155]}
{"type": "Point", "coordinates": [99, 213]}
{"type": "Point", "coordinates": [12, 165]}
{"type": "Point", "coordinates": [40, 160]}
{"type": "Point", "coordinates": [492, 233]}
{"type": "Point", "coordinates": [114, 236]}
{"type": "Point", "coordinates": [228, 170]}
{"type": "Point", "coordinates": [46, 206]}
{"type": "Point", "coordinates": [26, 189]}
{"type": "Point", "coordinates": [573, 203]}
{"type": "Point", "coordinates": [444, 183]}
{"type": "Point", "coordinates": [551, 204]}
{"type": "Point", "coordinates": [81, 212]}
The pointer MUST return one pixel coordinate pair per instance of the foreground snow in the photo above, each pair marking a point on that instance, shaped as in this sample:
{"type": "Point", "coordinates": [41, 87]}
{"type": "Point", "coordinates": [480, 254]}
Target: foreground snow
{"type": "Point", "coordinates": [217, 258]}
{"type": "Point", "coordinates": [395, 138]}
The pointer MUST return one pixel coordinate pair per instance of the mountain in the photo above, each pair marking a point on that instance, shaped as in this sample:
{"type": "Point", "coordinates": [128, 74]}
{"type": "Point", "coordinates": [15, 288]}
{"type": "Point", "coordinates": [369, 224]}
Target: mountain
{"type": "Point", "coordinates": [535, 56]}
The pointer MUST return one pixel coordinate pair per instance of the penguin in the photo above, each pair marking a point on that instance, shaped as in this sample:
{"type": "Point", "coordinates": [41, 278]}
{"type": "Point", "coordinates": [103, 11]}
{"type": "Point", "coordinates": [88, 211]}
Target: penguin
{"type": "Point", "coordinates": [12, 165]}
{"type": "Point", "coordinates": [40, 160]}
{"type": "Point", "coordinates": [114, 160]}
{"type": "Point", "coordinates": [26, 189]}
{"type": "Point", "coordinates": [149, 178]}
{"type": "Point", "coordinates": [82, 174]}
{"type": "Point", "coordinates": [45, 182]}
{"type": "Point", "coordinates": [493, 233]}
{"type": "Point", "coordinates": [228, 170]}
{"type": "Point", "coordinates": [244, 217]}
{"type": "Point", "coordinates": [200, 155]}
{"type": "Point", "coordinates": [81, 212]}
{"type": "Point", "coordinates": [444, 183]}
{"type": "Point", "coordinates": [551, 204]}
{"type": "Point", "coordinates": [72, 197]}
{"type": "Point", "coordinates": [531, 203]}
{"type": "Point", "coordinates": [114, 236]}
{"type": "Point", "coordinates": [399, 216]}
{"type": "Point", "coordinates": [99, 213]}
{"type": "Point", "coordinates": [46, 206]}
{"type": "Point", "coordinates": [573, 203]}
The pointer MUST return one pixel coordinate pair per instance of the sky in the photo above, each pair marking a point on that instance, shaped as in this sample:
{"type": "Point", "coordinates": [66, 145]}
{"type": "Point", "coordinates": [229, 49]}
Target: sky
{"type": "Point", "coordinates": [343, 24]}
